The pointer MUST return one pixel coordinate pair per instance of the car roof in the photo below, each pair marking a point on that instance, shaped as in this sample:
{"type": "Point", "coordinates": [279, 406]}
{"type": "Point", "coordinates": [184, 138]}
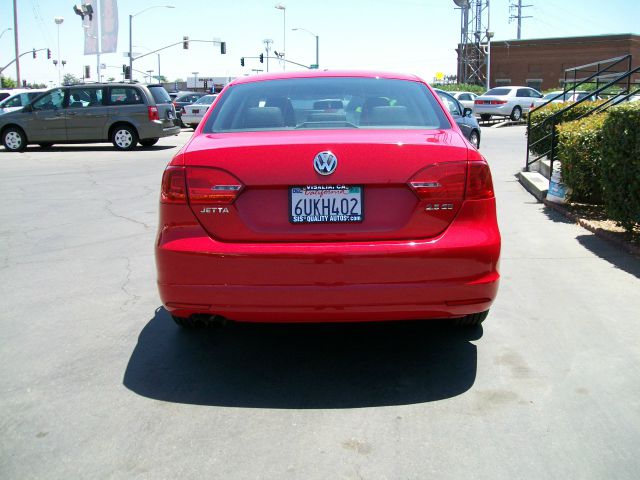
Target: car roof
{"type": "Point", "coordinates": [324, 74]}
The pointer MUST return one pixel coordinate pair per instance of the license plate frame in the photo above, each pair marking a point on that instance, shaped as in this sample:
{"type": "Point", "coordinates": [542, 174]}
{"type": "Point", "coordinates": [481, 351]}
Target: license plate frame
{"type": "Point", "coordinates": [326, 204]}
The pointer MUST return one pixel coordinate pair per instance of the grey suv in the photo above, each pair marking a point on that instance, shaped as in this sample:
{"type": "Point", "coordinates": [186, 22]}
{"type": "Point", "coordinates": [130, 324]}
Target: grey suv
{"type": "Point", "coordinates": [123, 113]}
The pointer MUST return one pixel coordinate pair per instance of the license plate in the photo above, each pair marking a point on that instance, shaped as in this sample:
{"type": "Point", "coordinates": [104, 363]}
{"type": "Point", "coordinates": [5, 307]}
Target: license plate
{"type": "Point", "coordinates": [195, 111]}
{"type": "Point", "coordinates": [325, 204]}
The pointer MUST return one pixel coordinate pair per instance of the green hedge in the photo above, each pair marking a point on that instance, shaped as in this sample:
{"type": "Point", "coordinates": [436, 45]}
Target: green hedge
{"type": "Point", "coordinates": [461, 87]}
{"type": "Point", "coordinates": [579, 152]}
{"type": "Point", "coordinates": [620, 165]}
{"type": "Point", "coordinates": [538, 115]}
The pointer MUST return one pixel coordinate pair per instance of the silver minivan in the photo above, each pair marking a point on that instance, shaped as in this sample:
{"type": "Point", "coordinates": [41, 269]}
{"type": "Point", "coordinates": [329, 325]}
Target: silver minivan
{"type": "Point", "coordinates": [123, 113]}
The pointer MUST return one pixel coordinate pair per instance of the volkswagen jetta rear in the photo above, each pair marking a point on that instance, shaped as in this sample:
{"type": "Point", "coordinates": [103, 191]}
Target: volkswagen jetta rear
{"type": "Point", "coordinates": [285, 207]}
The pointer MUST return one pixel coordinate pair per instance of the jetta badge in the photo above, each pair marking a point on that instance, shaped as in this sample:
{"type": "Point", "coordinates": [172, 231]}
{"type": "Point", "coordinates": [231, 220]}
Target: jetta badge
{"type": "Point", "coordinates": [325, 163]}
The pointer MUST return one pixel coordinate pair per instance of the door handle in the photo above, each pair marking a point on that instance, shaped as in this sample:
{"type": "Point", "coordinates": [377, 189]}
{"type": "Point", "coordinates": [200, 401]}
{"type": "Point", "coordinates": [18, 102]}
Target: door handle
{"type": "Point", "coordinates": [60, 114]}
{"type": "Point", "coordinates": [71, 113]}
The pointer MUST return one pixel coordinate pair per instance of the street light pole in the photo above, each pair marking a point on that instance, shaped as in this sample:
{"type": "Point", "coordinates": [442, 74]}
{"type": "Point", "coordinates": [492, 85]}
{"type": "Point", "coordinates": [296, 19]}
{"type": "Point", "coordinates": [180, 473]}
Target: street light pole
{"type": "Point", "coordinates": [317, 43]}
{"type": "Point", "coordinates": [59, 21]}
{"type": "Point", "coordinates": [267, 46]}
{"type": "Point", "coordinates": [15, 36]}
{"type": "Point", "coordinates": [280, 6]}
{"type": "Point", "coordinates": [131, 34]}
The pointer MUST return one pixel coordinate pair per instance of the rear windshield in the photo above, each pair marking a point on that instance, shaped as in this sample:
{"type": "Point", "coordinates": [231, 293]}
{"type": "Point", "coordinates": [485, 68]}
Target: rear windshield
{"type": "Point", "coordinates": [326, 103]}
{"type": "Point", "coordinates": [206, 100]}
{"type": "Point", "coordinates": [159, 94]}
{"type": "Point", "coordinates": [498, 91]}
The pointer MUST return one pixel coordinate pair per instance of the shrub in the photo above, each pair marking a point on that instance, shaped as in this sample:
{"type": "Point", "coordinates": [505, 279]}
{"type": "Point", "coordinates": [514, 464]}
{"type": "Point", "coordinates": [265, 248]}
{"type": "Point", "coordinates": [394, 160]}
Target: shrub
{"type": "Point", "coordinates": [539, 115]}
{"type": "Point", "coordinates": [579, 144]}
{"type": "Point", "coordinates": [620, 165]}
{"type": "Point", "coordinates": [461, 87]}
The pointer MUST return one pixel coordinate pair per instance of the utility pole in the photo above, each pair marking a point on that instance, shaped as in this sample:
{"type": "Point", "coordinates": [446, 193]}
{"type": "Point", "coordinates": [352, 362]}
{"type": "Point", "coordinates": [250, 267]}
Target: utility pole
{"type": "Point", "coordinates": [517, 7]}
{"type": "Point", "coordinates": [15, 36]}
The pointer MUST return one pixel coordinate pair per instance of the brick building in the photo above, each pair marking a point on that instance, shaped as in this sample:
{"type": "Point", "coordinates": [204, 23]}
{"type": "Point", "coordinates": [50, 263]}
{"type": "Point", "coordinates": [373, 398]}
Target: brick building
{"type": "Point", "coordinates": [540, 62]}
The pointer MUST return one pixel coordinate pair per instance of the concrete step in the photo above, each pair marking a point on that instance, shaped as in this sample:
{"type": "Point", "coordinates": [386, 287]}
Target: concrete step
{"type": "Point", "coordinates": [536, 184]}
{"type": "Point", "coordinates": [545, 168]}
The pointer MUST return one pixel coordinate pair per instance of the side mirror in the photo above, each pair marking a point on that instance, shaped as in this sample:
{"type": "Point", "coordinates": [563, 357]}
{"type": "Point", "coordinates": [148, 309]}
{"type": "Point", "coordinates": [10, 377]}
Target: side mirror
{"type": "Point", "coordinates": [467, 112]}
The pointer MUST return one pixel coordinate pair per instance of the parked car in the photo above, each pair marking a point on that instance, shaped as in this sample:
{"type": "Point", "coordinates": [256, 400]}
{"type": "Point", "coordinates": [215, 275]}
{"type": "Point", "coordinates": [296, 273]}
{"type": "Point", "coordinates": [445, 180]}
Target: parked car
{"type": "Point", "coordinates": [465, 98]}
{"type": "Point", "coordinates": [182, 100]}
{"type": "Point", "coordinates": [18, 100]}
{"type": "Point", "coordinates": [559, 96]}
{"type": "Point", "coordinates": [510, 102]}
{"type": "Point", "coordinates": [273, 214]}
{"type": "Point", "coordinates": [123, 113]}
{"type": "Point", "coordinates": [193, 113]}
{"type": "Point", "coordinates": [463, 116]}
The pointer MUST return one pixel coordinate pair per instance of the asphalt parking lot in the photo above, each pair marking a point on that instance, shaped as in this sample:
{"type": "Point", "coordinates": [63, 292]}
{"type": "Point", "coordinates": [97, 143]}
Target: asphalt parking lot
{"type": "Point", "coordinates": [97, 382]}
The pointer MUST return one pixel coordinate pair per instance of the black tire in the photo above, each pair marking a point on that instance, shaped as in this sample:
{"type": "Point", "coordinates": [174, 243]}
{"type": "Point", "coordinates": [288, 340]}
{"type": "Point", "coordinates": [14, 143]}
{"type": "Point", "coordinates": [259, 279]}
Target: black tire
{"type": "Point", "coordinates": [193, 125]}
{"type": "Point", "coordinates": [474, 138]}
{"type": "Point", "coordinates": [148, 142]}
{"type": "Point", "coordinates": [193, 322]}
{"type": "Point", "coordinates": [124, 137]}
{"type": "Point", "coordinates": [45, 145]}
{"type": "Point", "coordinates": [485, 116]}
{"type": "Point", "coordinates": [516, 114]}
{"type": "Point", "coordinates": [14, 139]}
{"type": "Point", "coordinates": [472, 320]}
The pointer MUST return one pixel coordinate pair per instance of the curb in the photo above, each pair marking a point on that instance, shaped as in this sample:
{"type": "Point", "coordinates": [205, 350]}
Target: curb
{"type": "Point", "coordinates": [623, 244]}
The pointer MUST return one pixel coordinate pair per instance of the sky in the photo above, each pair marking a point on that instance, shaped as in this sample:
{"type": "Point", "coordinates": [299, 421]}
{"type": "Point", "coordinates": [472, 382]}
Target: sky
{"type": "Point", "coordinates": [409, 36]}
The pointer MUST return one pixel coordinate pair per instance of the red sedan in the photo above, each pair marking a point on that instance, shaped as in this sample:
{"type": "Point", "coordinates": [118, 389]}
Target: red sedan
{"type": "Point", "coordinates": [327, 197]}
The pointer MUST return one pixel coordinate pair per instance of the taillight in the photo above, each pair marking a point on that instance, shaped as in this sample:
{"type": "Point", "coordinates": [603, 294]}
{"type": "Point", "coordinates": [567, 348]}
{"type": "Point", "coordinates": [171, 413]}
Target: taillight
{"type": "Point", "coordinates": [498, 102]}
{"type": "Point", "coordinates": [174, 189]}
{"type": "Point", "coordinates": [443, 181]}
{"type": "Point", "coordinates": [479, 183]}
{"type": "Point", "coordinates": [478, 102]}
{"type": "Point", "coordinates": [153, 113]}
{"type": "Point", "coordinates": [212, 186]}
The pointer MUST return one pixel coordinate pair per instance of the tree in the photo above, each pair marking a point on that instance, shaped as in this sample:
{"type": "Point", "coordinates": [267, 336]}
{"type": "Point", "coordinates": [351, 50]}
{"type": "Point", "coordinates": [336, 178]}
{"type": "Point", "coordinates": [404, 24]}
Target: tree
{"type": "Point", "coordinates": [111, 79]}
{"type": "Point", "coordinates": [7, 82]}
{"type": "Point", "coordinates": [70, 79]}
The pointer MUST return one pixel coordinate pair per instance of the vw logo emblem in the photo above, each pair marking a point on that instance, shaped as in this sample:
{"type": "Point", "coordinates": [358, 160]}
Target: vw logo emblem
{"type": "Point", "coordinates": [325, 163]}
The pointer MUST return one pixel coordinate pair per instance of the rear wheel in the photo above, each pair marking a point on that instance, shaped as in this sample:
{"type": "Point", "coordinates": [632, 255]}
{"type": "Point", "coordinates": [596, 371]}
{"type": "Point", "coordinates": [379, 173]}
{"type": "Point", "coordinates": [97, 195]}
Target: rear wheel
{"type": "Point", "coordinates": [516, 114]}
{"type": "Point", "coordinates": [193, 125]}
{"type": "Point", "coordinates": [14, 139]}
{"type": "Point", "coordinates": [485, 116]}
{"type": "Point", "coordinates": [149, 142]}
{"type": "Point", "coordinates": [472, 320]}
{"type": "Point", "coordinates": [124, 137]}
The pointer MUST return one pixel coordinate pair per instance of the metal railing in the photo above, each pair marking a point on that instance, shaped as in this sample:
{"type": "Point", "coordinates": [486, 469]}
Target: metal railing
{"type": "Point", "coordinates": [604, 77]}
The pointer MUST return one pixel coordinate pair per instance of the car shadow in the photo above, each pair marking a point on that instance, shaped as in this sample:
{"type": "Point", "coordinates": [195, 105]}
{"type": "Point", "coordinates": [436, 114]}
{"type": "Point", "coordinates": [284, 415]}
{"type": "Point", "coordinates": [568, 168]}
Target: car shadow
{"type": "Point", "coordinates": [611, 253]}
{"type": "Point", "coordinates": [93, 148]}
{"type": "Point", "coordinates": [302, 366]}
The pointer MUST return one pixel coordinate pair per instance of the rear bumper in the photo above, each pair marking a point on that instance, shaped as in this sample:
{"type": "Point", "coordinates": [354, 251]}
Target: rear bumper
{"type": "Point", "coordinates": [452, 275]}
{"type": "Point", "coordinates": [191, 119]}
{"type": "Point", "coordinates": [503, 110]}
{"type": "Point", "coordinates": [157, 130]}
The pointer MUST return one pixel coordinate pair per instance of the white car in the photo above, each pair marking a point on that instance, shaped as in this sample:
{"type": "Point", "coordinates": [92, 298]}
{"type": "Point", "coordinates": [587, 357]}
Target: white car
{"type": "Point", "coordinates": [194, 113]}
{"type": "Point", "coordinates": [18, 99]}
{"type": "Point", "coordinates": [510, 102]}
{"type": "Point", "coordinates": [570, 96]}
{"type": "Point", "coordinates": [465, 98]}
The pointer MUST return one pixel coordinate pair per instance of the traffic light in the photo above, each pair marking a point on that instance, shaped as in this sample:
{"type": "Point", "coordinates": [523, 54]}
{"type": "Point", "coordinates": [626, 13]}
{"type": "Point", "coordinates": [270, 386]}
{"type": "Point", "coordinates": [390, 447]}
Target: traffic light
{"type": "Point", "coordinates": [48, 54]}
{"type": "Point", "coordinates": [185, 42]}
{"type": "Point", "coordinates": [34, 53]}
{"type": "Point", "coordinates": [127, 72]}
{"type": "Point", "coordinates": [204, 84]}
{"type": "Point", "coordinates": [242, 62]}
{"type": "Point", "coordinates": [87, 72]}
{"type": "Point", "coordinates": [262, 58]}
{"type": "Point", "coordinates": [223, 48]}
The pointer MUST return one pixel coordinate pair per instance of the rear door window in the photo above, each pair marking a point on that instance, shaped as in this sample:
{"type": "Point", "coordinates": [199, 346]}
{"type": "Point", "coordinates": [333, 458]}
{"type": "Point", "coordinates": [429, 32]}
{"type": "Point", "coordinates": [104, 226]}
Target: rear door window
{"type": "Point", "coordinates": [124, 96]}
{"type": "Point", "coordinates": [523, 92]}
